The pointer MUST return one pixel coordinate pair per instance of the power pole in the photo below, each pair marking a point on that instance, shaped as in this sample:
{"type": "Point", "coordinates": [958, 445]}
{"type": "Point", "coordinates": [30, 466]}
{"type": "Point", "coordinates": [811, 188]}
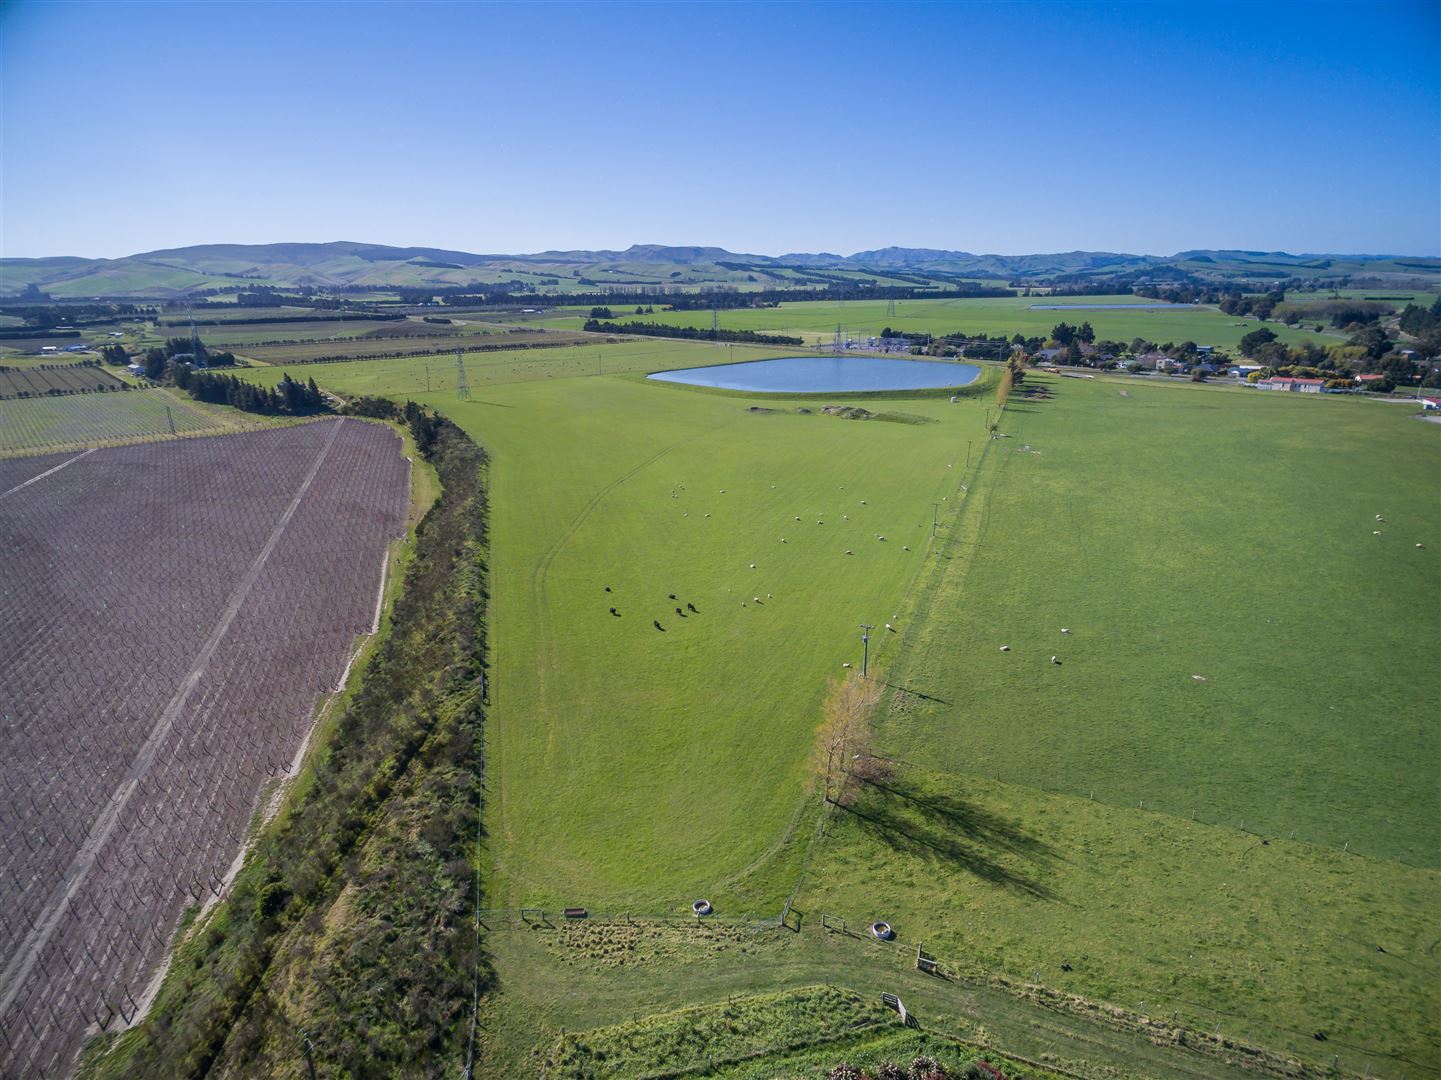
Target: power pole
{"type": "Point", "coordinates": [935, 511]}
{"type": "Point", "coordinates": [462, 388]}
{"type": "Point", "coordinates": [866, 628]}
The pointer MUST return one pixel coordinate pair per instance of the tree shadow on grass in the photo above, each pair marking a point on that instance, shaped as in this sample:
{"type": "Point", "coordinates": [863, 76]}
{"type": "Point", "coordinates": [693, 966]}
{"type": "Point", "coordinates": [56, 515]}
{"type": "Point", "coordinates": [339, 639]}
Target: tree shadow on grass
{"type": "Point", "coordinates": [916, 693]}
{"type": "Point", "coordinates": [953, 830]}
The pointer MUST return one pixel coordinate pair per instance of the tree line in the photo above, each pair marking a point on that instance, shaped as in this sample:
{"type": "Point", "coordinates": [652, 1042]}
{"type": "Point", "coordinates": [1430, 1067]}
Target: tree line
{"type": "Point", "coordinates": [693, 333]}
{"type": "Point", "coordinates": [288, 397]}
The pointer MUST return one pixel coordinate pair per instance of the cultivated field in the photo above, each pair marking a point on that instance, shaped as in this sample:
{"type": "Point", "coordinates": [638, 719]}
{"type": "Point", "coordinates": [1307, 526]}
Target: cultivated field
{"type": "Point", "coordinates": [1031, 316]}
{"type": "Point", "coordinates": [172, 614]}
{"type": "Point", "coordinates": [40, 380]}
{"type": "Point", "coordinates": [39, 424]}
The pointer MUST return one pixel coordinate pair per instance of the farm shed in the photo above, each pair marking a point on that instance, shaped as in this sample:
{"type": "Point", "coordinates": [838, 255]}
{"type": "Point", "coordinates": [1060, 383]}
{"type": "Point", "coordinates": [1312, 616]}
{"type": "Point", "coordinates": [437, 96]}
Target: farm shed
{"type": "Point", "coordinates": [1303, 386]}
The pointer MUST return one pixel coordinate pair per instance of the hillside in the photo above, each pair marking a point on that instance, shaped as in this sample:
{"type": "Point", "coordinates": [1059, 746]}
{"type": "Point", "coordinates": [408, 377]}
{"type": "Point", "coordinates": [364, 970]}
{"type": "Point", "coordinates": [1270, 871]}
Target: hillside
{"type": "Point", "coordinates": [176, 272]}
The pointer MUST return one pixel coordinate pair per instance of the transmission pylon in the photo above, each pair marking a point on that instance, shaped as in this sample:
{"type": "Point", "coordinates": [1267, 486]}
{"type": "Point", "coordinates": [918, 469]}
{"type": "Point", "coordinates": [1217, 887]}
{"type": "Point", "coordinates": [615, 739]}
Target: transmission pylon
{"type": "Point", "coordinates": [462, 388]}
{"type": "Point", "coordinates": [714, 324]}
{"type": "Point", "coordinates": [891, 306]}
{"type": "Point", "coordinates": [838, 338]}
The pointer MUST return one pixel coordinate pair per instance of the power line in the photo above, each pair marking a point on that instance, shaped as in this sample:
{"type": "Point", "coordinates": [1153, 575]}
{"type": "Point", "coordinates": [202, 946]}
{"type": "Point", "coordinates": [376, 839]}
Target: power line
{"type": "Point", "coordinates": [462, 388]}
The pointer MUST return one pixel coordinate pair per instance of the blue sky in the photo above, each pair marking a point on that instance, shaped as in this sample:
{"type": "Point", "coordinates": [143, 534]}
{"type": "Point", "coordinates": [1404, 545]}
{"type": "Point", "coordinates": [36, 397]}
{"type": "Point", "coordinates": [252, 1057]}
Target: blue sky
{"type": "Point", "coordinates": [772, 128]}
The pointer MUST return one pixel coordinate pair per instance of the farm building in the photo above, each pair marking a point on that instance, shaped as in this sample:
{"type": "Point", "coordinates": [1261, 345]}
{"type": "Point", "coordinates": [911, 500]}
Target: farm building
{"type": "Point", "coordinates": [1303, 386]}
{"type": "Point", "coordinates": [1429, 404]}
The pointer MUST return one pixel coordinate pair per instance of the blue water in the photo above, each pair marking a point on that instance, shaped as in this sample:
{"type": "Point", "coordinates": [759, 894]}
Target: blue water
{"type": "Point", "coordinates": [1110, 307]}
{"type": "Point", "coordinates": [825, 375]}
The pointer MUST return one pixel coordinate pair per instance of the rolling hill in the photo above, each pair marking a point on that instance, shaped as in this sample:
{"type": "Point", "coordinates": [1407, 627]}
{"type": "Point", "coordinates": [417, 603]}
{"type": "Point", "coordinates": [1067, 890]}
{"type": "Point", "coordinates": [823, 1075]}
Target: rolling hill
{"type": "Point", "coordinates": [176, 272]}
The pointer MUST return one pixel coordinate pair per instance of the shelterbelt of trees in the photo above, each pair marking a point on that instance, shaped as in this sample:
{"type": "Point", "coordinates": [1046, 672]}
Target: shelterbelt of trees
{"type": "Point", "coordinates": [750, 337]}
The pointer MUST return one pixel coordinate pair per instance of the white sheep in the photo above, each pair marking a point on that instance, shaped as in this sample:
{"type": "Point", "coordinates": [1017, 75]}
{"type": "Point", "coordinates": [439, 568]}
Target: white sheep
{"type": "Point", "coordinates": [770, 596]}
{"type": "Point", "coordinates": [905, 547]}
{"type": "Point", "coordinates": [891, 628]}
{"type": "Point", "coordinates": [1380, 518]}
{"type": "Point", "coordinates": [753, 566]}
{"type": "Point", "coordinates": [1375, 532]}
{"type": "Point", "coordinates": [1064, 630]}
{"type": "Point", "coordinates": [1005, 648]}
{"type": "Point", "coordinates": [1054, 660]}
{"type": "Point", "coordinates": [783, 539]}
{"type": "Point", "coordinates": [849, 551]}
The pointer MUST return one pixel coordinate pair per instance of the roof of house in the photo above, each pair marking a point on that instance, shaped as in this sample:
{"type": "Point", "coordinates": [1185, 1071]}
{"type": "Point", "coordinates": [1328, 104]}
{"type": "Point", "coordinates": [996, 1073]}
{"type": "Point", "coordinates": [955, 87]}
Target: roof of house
{"type": "Point", "coordinates": [1369, 378]}
{"type": "Point", "coordinates": [1298, 382]}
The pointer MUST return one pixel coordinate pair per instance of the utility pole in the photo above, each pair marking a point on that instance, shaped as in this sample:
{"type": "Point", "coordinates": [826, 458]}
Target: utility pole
{"type": "Point", "coordinates": [968, 453]}
{"type": "Point", "coordinates": [866, 628]}
{"type": "Point", "coordinates": [935, 511]}
{"type": "Point", "coordinates": [462, 388]}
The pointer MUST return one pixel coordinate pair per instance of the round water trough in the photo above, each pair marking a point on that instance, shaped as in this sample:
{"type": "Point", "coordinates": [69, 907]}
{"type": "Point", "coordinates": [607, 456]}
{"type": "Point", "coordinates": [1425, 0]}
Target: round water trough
{"type": "Point", "coordinates": [882, 930]}
{"type": "Point", "coordinates": [701, 907]}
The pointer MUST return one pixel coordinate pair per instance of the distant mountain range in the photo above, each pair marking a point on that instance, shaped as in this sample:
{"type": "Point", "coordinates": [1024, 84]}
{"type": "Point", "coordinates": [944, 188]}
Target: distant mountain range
{"type": "Point", "coordinates": [177, 271]}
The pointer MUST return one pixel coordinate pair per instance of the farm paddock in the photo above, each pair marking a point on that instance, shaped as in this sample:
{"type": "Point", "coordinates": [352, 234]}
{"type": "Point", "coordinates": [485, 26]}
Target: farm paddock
{"type": "Point", "coordinates": [35, 425]}
{"type": "Point", "coordinates": [170, 615]}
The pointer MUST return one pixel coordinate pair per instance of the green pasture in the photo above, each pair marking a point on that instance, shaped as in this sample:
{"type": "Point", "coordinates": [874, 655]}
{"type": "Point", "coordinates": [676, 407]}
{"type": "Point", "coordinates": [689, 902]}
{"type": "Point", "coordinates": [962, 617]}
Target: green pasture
{"type": "Point", "coordinates": [1179, 531]}
{"type": "Point", "coordinates": [817, 320]}
{"type": "Point", "coordinates": [1269, 938]}
{"type": "Point", "coordinates": [615, 987]}
{"type": "Point", "coordinates": [661, 765]}
{"type": "Point", "coordinates": [1175, 530]}
{"type": "Point", "coordinates": [410, 376]}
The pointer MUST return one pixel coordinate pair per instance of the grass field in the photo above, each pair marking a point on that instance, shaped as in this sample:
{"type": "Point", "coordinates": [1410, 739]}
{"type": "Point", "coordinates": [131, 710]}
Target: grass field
{"type": "Point", "coordinates": [635, 768]}
{"type": "Point", "coordinates": [1190, 531]}
{"type": "Point", "coordinates": [411, 376]}
{"type": "Point", "coordinates": [860, 318]}
{"type": "Point", "coordinates": [579, 978]}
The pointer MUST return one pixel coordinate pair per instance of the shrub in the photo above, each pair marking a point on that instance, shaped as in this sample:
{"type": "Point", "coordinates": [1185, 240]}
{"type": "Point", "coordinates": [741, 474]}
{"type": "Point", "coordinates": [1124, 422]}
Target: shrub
{"type": "Point", "coordinates": [926, 1067]}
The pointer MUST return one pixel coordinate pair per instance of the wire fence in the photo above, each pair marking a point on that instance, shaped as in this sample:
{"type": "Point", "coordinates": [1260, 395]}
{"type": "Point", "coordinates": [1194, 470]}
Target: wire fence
{"type": "Point", "coordinates": [1159, 1017]}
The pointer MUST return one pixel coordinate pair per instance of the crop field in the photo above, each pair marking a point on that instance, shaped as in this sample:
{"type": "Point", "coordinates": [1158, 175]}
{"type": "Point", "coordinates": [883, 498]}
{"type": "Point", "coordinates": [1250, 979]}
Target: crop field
{"type": "Point", "coordinates": [638, 766]}
{"type": "Point", "coordinates": [38, 381]}
{"type": "Point", "coordinates": [38, 424]}
{"type": "Point", "coordinates": [817, 321]}
{"type": "Point", "coordinates": [172, 613]}
{"type": "Point", "coordinates": [365, 347]}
